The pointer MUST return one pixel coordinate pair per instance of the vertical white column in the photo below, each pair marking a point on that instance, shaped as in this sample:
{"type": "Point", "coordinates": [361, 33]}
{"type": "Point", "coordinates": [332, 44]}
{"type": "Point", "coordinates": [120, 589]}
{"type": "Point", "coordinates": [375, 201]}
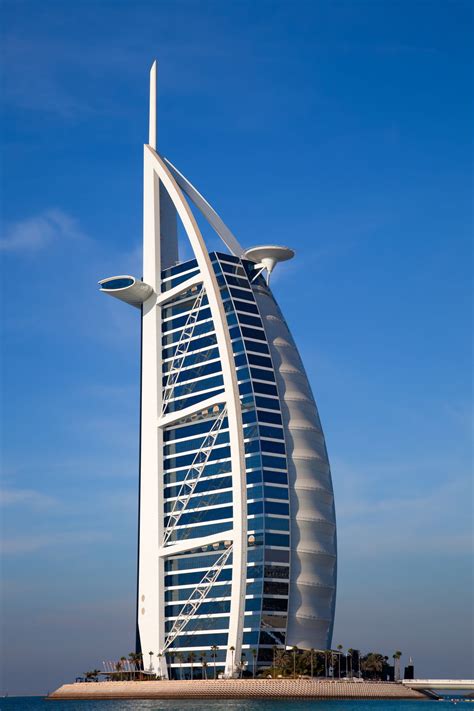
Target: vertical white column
{"type": "Point", "coordinates": [151, 567]}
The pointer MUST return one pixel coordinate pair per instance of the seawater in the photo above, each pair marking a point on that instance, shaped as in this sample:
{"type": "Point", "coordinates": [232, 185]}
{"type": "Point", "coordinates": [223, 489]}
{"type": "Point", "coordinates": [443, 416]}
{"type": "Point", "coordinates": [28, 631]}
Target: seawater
{"type": "Point", "coordinates": [38, 703]}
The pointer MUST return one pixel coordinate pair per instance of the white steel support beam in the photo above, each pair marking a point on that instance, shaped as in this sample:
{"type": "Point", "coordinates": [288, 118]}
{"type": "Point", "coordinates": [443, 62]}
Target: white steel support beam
{"type": "Point", "coordinates": [151, 567]}
{"type": "Point", "coordinates": [156, 166]}
{"type": "Point", "coordinates": [193, 475]}
{"type": "Point", "coordinates": [196, 598]}
{"type": "Point", "coordinates": [181, 351]}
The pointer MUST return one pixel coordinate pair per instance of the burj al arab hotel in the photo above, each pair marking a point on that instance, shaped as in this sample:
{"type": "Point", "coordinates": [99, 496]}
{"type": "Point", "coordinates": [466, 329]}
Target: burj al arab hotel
{"type": "Point", "coordinates": [237, 529]}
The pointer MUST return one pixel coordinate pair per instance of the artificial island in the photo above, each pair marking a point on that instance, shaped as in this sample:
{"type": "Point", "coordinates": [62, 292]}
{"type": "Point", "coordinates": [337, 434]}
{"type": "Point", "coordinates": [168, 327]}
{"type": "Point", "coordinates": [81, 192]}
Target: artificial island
{"type": "Point", "coordinates": [237, 555]}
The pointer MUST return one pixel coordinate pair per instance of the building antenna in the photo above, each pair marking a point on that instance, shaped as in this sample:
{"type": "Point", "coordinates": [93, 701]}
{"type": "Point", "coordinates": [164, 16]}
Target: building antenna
{"type": "Point", "coordinates": [152, 119]}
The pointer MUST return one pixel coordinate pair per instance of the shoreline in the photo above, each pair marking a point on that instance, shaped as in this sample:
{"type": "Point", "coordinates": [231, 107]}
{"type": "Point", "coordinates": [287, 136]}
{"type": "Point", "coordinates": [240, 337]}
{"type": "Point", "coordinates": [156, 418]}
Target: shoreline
{"type": "Point", "coordinates": [235, 689]}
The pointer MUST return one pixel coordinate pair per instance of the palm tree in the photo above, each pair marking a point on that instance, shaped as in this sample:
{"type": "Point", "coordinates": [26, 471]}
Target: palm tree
{"type": "Point", "coordinates": [339, 647]}
{"type": "Point", "coordinates": [160, 657]}
{"type": "Point", "coordinates": [203, 661]}
{"type": "Point", "coordinates": [373, 663]}
{"type": "Point", "coordinates": [294, 650]}
{"type": "Point", "coordinates": [254, 657]}
{"type": "Point", "coordinates": [151, 663]}
{"type": "Point", "coordinates": [326, 665]}
{"type": "Point", "coordinates": [232, 649]}
{"type": "Point", "coordinates": [179, 657]}
{"type": "Point", "coordinates": [274, 650]}
{"type": "Point", "coordinates": [214, 650]}
{"type": "Point", "coordinates": [349, 654]}
{"type": "Point", "coordinates": [396, 664]}
{"type": "Point", "coordinates": [192, 659]}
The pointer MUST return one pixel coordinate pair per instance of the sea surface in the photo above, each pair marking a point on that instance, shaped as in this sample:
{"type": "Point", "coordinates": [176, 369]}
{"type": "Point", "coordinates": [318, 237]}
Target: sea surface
{"type": "Point", "coordinates": [39, 703]}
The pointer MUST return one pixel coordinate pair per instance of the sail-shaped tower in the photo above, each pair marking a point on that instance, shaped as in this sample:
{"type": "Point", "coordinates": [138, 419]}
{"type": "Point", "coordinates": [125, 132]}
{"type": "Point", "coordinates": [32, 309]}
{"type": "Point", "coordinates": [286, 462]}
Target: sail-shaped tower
{"type": "Point", "coordinates": [237, 530]}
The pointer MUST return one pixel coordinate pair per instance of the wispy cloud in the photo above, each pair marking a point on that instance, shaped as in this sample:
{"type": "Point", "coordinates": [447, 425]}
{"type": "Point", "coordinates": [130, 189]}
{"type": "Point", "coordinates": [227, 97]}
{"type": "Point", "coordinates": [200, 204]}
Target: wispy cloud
{"type": "Point", "coordinates": [32, 543]}
{"type": "Point", "coordinates": [40, 231]}
{"type": "Point", "coordinates": [409, 521]}
{"type": "Point", "coordinates": [26, 497]}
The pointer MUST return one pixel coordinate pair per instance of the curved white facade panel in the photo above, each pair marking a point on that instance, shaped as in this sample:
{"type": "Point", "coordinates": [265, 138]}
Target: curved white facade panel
{"type": "Point", "coordinates": [313, 548]}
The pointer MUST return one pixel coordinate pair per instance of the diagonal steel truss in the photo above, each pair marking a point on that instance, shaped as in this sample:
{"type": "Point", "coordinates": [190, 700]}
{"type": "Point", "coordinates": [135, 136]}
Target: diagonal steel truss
{"type": "Point", "coordinates": [193, 475]}
{"type": "Point", "coordinates": [181, 351]}
{"type": "Point", "coordinates": [197, 596]}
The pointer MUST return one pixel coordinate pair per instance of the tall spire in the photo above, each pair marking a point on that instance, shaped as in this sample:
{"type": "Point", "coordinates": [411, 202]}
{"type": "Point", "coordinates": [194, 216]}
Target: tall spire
{"type": "Point", "coordinates": [152, 120]}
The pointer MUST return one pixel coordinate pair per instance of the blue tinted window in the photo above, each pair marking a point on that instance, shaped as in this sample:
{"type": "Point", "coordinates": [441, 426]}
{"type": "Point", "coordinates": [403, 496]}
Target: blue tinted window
{"type": "Point", "coordinates": [206, 498]}
{"type": "Point", "coordinates": [201, 640]}
{"type": "Point", "coordinates": [188, 401]}
{"type": "Point", "coordinates": [245, 388]}
{"type": "Point", "coordinates": [206, 608]}
{"type": "Point", "coordinates": [245, 294]}
{"type": "Point", "coordinates": [273, 417]}
{"type": "Point", "coordinates": [276, 604]}
{"type": "Point", "coordinates": [234, 332]}
{"type": "Point", "coordinates": [252, 462]}
{"type": "Point", "coordinates": [179, 268]}
{"type": "Point", "coordinates": [265, 388]}
{"type": "Point", "coordinates": [254, 477]}
{"type": "Point", "coordinates": [224, 257]}
{"type": "Point", "coordinates": [260, 360]}
{"type": "Point", "coordinates": [256, 346]}
{"type": "Point", "coordinates": [187, 459]}
{"type": "Point", "coordinates": [280, 509]}
{"type": "Point", "coordinates": [167, 285]}
{"type": "Point", "coordinates": [274, 556]}
{"type": "Point", "coordinates": [275, 447]}
{"type": "Point", "coordinates": [195, 577]}
{"type": "Point", "coordinates": [273, 432]}
{"type": "Point", "coordinates": [262, 374]}
{"type": "Point", "coordinates": [185, 534]}
{"type": "Point", "coordinates": [246, 306]}
{"type": "Point", "coordinates": [190, 430]}
{"type": "Point", "coordinates": [194, 359]}
{"type": "Point", "coordinates": [203, 485]}
{"type": "Point", "coordinates": [276, 492]}
{"type": "Point", "coordinates": [277, 524]}
{"type": "Point", "coordinates": [196, 344]}
{"type": "Point", "coordinates": [249, 320]}
{"type": "Point", "coordinates": [240, 359]}
{"type": "Point", "coordinates": [179, 447]}
{"type": "Point", "coordinates": [255, 508]}
{"type": "Point", "coordinates": [198, 330]}
{"type": "Point", "coordinates": [181, 321]}
{"type": "Point", "coordinates": [233, 269]}
{"type": "Point", "coordinates": [267, 402]}
{"type": "Point", "coordinates": [198, 385]}
{"type": "Point", "coordinates": [275, 477]}
{"type": "Point", "coordinates": [273, 462]}
{"type": "Point", "coordinates": [209, 470]}
{"type": "Point", "coordinates": [198, 372]}
{"type": "Point", "coordinates": [237, 281]}
{"type": "Point", "coordinates": [252, 446]}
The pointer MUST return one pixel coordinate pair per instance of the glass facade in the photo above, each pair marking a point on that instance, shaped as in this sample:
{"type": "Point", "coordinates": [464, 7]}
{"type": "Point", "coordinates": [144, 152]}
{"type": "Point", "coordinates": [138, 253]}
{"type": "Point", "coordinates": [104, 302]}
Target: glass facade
{"type": "Point", "coordinates": [196, 449]}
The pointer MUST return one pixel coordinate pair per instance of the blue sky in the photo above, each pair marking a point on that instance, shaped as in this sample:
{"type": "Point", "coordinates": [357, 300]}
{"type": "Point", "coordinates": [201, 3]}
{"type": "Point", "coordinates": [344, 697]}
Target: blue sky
{"type": "Point", "coordinates": [343, 129]}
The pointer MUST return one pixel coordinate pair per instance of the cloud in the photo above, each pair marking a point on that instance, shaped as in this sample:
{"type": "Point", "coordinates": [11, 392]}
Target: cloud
{"type": "Point", "coordinates": [37, 233]}
{"type": "Point", "coordinates": [26, 497]}
{"type": "Point", "coordinates": [32, 543]}
{"type": "Point", "coordinates": [408, 521]}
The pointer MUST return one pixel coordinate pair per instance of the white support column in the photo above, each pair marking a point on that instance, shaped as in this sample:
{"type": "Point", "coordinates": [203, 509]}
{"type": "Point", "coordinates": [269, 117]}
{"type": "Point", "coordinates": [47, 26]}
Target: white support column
{"type": "Point", "coordinates": [151, 566]}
